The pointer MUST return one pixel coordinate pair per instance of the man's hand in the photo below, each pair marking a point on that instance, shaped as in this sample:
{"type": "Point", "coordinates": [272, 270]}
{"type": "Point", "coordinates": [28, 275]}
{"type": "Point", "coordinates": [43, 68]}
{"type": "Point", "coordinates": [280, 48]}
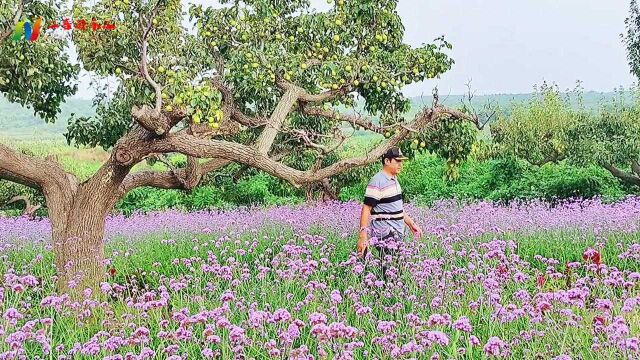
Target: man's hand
{"type": "Point", "coordinates": [363, 243]}
{"type": "Point", "coordinates": [417, 231]}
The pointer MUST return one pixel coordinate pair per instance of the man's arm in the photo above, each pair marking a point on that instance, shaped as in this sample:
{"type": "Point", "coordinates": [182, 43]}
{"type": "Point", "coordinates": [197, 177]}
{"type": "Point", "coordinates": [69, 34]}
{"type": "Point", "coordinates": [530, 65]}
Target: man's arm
{"type": "Point", "coordinates": [362, 234]}
{"type": "Point", "coordinates": [409, 221]}
{"type": "Point", "coordinates": [413, 226]}
{"type": "Point", "coordinates": [364, 215]}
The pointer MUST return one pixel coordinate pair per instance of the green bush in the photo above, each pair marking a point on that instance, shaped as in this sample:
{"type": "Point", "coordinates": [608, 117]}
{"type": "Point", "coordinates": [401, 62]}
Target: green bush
{"type": "Point", "coordinates": [502, 180]}
{"type": "Point", "coordinates": [553, 182]}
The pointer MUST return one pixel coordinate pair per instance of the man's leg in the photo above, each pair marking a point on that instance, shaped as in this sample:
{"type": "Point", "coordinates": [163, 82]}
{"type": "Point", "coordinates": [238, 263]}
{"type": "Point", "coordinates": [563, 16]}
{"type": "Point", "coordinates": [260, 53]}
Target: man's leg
{"type": "Point", "coordinates": [383, 250]}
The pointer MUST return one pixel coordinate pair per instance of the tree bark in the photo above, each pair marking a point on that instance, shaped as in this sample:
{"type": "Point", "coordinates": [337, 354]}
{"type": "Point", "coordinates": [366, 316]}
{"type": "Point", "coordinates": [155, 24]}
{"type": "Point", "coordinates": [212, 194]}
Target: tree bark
{"type": "Point", "coordinates": [635, 167]}
{"type": "Point", "coordinates": [78, 245]}
{"type": "Point", "coordinates": [78, 230]}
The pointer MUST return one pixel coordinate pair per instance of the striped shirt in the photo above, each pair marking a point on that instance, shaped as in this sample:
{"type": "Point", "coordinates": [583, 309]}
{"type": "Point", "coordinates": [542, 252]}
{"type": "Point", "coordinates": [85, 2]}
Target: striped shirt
{"type": "Point", "coordinates": [384, 195]}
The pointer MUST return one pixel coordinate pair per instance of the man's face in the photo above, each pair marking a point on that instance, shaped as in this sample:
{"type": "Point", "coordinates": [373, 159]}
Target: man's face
{"type": "Point", "coordinates": [394, 166]}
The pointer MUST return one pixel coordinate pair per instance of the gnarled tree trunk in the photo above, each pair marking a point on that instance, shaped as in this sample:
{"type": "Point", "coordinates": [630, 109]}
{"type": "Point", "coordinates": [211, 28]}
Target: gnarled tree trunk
{"type": "Point", "coordinates": [78, 243]}
{"type": "Point", "coordinates": [79, 225]}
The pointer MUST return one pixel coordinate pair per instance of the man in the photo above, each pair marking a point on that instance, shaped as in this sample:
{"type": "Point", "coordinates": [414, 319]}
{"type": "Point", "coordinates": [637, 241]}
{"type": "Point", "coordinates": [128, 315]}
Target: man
{"type": "Point", "coordinates": [383, 201]}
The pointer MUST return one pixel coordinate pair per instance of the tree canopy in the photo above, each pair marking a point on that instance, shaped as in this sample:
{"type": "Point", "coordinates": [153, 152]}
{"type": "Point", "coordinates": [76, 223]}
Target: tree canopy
{"type": "Point", "coordinates": [35, 74]}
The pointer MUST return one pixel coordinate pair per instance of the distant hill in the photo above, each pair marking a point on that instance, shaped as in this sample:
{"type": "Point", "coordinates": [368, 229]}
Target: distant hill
{"type": "Point", "coordinates": [20, 123]}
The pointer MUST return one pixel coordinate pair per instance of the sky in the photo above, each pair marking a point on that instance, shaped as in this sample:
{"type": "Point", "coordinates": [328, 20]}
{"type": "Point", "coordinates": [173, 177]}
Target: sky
{"type": "Point", "coordinates": [508, 46]}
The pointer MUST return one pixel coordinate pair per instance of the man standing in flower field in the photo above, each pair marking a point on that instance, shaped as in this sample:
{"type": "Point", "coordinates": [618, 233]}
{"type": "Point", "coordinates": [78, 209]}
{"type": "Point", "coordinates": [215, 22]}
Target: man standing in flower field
{"type": "Point", "coordinates": [383, 201]}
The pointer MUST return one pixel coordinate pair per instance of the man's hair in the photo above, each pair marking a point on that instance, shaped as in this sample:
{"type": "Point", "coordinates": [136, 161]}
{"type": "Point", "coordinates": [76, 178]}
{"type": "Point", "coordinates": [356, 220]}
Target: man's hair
{"type": "Point", "coordinates": [383, 158]}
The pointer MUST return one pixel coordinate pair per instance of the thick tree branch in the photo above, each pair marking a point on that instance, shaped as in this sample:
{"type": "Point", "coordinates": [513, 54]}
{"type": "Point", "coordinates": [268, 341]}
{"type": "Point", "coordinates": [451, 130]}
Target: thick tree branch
{"type": "Point", "coordinates": [189, 145]}
{"type": "Point", "coordinates": [552, 158]}
{"type": "Point", "coordinates": [314, 98]}
{"type": "Point", "coordinates": [192, 173]}
{"type": "Point", "coordinates": [171, 179]}
{"type": "Point", "coordinates": [23, 169]}
{"type": "Point", "coordinates": [230, 110]}
{"type": "Point", "coordinates": [326, 187]}
{"type": "Point", "coordinates": [277, 157]}
{"type": "Point", "coordinates": [155, 121]}
{"type": "Point", "coordinates": [628, 178]}
{"type": "Point", "coordinates": [46, 175]}
{"type": "Point", "coordinates": [278, 117]}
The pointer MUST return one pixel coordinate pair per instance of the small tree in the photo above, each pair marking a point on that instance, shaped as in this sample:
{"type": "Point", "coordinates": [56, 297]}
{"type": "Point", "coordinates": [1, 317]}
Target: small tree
{"type": "Point", "coordinates": [548, 129]}
{"type": "Point", "coordinates": [259, 79]}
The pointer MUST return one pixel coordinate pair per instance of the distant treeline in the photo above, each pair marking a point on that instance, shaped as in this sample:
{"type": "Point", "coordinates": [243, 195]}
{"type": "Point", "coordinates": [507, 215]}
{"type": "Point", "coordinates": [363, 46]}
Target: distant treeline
{"type": "Point", "coordinates": [18, 122]}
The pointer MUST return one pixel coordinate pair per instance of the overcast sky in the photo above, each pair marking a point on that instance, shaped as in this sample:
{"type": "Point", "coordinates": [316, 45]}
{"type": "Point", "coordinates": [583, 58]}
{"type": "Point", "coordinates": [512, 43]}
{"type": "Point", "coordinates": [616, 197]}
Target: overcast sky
{"type": "Point", "coordinates": [507, 46]}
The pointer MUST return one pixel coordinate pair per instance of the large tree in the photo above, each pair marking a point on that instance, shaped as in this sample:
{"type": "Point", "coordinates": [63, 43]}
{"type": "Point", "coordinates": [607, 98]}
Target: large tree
{"type": "Point", "coordinates": [259, 79]}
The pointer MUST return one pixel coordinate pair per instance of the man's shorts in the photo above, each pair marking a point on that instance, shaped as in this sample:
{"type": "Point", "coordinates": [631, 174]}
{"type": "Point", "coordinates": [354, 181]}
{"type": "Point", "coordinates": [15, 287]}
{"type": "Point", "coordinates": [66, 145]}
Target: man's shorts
{"type": "Point", "coordinates": [383, 249]}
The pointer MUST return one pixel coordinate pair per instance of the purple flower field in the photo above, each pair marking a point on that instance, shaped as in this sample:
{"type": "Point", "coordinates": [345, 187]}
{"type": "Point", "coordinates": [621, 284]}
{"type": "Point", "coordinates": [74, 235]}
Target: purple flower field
{"type": "Point", "coordinates": [486, 281]}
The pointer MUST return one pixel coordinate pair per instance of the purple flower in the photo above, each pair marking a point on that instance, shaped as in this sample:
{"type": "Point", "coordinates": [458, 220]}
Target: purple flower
{"type": "Point", "coordinates": [495, 347]}
{"type": "Point", "coordinates": [562, 357]}
{"type": "Point", "coordinates": [386, 327]}
{"type": "Point", "coordinates": [207, 353]}
{"type": "Point", "coordinates": [236, 334]}
{"type": "Point", "coordinates": [463, 324]}
{"type": "Point", "coordinates": [438, 319]}
{"type": "Point", "coordinates": [438, 337]}
{"type": "Point", "coordinates": [336, 297]}
{"type": "Point", "coordinates": [317, 318]}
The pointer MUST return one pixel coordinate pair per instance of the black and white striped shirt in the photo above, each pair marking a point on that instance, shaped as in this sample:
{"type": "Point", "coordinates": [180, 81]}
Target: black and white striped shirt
{"type": "Point", "coordinates": [384, 195]}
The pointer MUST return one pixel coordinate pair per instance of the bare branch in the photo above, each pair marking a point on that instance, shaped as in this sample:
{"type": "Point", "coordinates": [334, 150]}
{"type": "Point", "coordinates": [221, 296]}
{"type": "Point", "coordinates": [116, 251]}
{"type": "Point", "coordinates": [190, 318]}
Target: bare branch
{"type": "Point", "coordinates": [307, 136]}
{"type": "Point", "coordinates": [162, 158]}
{"type": "Point", "coordinates": [635, 167]}
{"type": "Point", "coordinates": [144, 58]}
{"type": "Point", "coordinates": [353, 119]}
{"type": "Point", "coordinates": [489, 117]}
{"type": "Point", "coordinates": [29, 210]}
{"type": "Point", "coordinates": [552, 158]}
{"type": "Point", "coordinates": [230, 110]}
{"type": "Point", "coordinates": [435, 97]}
